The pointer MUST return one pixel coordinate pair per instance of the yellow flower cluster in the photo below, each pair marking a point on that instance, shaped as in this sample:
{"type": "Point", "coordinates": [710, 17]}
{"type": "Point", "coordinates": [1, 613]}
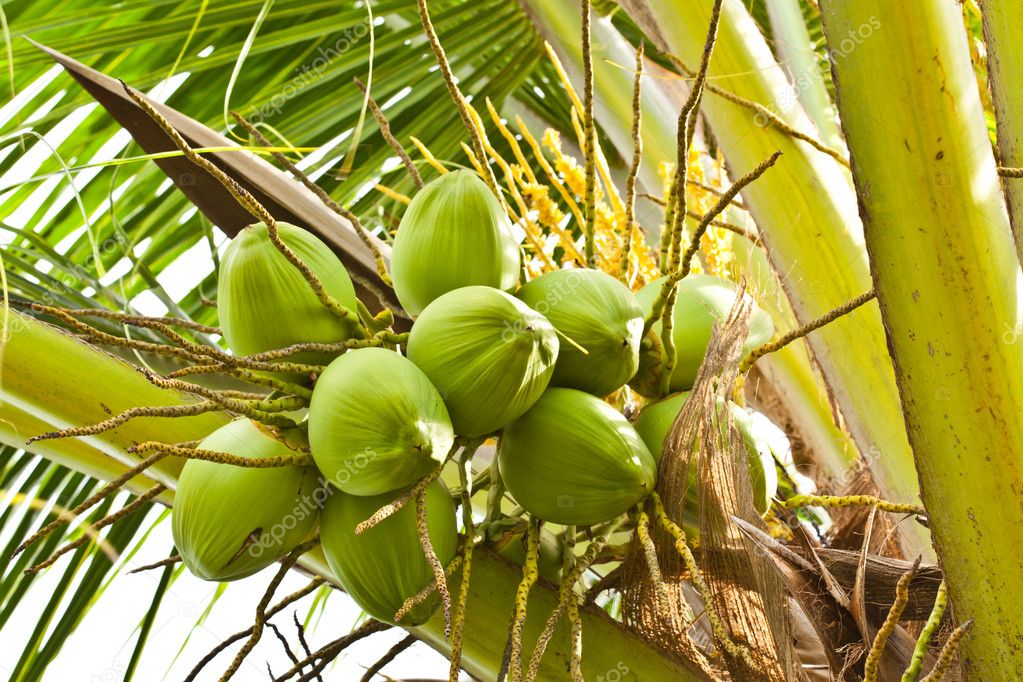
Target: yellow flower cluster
{"type": "Point", "coordinates": [716, 255]}
{"type": "Point", "coordinates": [538, 197]}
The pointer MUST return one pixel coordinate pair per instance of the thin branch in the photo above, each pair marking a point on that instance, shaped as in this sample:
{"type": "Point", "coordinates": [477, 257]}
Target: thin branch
{"type": "Point", "coordinates": [94, 499]}
{"type": "Point", "coordinates": [138, 502]}
{"type": "Point", "coordinates": [637, 157]}
{"type": "Point", "coordinates": [264, 603]}
{"type": "Point", "coordinates": [314, 584]}
{"type": "Point", "coordinates": [456, 95]}
{"type": "Point", "coordinates": [590, 140]}
{"type": "Point", "coordinates": [391, 654]}
{"type": "Point", "coordinates": [923, 642]}
{"type": "Point", "coordinates": [947, 654]}
{"type": "Point", "coordinates": [385, 131]}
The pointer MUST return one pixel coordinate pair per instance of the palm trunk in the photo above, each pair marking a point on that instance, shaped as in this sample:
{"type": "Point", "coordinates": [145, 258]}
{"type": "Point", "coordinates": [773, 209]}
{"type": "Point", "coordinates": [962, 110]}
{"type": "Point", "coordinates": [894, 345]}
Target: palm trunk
{"type": "Point", "coordinates": [945, 271]}
{"type": "Point", "coordinates": [56, 379]}
{"type": "Point", "coordinates": [1003, 32]}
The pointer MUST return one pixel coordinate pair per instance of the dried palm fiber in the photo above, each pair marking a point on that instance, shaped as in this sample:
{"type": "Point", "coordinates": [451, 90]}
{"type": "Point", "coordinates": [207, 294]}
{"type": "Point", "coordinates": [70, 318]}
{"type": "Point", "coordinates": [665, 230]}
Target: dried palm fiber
{"type": "Point", "coordinates": [747, 593]}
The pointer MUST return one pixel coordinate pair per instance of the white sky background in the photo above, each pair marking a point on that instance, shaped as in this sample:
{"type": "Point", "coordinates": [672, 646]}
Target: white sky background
{"type": "Point", "coordinates": [101, 647]}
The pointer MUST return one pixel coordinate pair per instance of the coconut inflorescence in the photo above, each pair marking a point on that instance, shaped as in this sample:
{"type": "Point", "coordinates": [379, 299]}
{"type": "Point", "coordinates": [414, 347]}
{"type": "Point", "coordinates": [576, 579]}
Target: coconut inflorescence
{"type": "Point", "coordinates": [703, 301]}
{"type": "Point", "coordinates": [385, 565]}
{"type": "Point", "coordinates": [230, 522]}
{"type": "Point", "coordinates": [602, 320]}
{"type": "Point", "coordinates": [265, 303]}
{"type": "Point", "coordinates": [539, 368]}
{"type": "Point", "coordinates": [489, 355]}
{"type": "Point", "coordinates": [455, 233]}
{"type": "Point", "coordinates": [376, 423]}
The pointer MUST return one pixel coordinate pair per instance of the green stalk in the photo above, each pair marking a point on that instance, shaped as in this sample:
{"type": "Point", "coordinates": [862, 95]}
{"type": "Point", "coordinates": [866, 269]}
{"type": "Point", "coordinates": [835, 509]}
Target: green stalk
{"type": "Point", "coordinates": [806, 209]}
{"type": "Point", "coordinates": [45, 368]}
{"type": "Point", "coordinates": [795, 50]}
{"type": "Point", "coordinates": [945, 272]}
{"type": "Point", "coordinates": [1003, 33]}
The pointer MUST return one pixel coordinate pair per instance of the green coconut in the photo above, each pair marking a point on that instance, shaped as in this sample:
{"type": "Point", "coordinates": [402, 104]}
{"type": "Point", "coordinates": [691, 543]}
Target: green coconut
{"type": "Point", "coordinates": [265, 303]}
{"type": "Point", "coordinates": [229, 522]}
{"type": "Point", "coordinates": [376, 423]}
{"type": "Point", "coordinates": [574, 459]}
{"type": "Point", "coordinates": [455, 233]}
{"type": "Point", "coordinates": [655, 421]}
{"type": "Point", "coordinates": [385, 565]}
{"type": "Point", "coordinates": [703, 301]}
{"type": "Point", "coordinates": [598, 313]}
{"type": "Point", "coordinates": [489, 354]}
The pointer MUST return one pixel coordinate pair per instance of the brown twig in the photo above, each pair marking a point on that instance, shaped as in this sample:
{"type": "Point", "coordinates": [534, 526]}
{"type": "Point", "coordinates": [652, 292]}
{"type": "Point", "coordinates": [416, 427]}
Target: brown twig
{"type": "Point", "coordinates": [238, 636]}
{"type": "Point", "coordinates": [391, 654]}
{"type": "Point", "coordinates": [264, 603]}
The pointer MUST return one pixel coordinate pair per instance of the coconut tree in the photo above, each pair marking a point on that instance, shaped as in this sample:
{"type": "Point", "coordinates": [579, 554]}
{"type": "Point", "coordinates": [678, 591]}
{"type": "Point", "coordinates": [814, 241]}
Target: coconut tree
{"type": "Point", "coordinates": [107, 211]}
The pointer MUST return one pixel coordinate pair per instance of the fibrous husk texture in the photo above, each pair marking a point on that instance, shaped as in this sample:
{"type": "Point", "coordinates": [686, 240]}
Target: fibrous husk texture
{"type": "Point", "coordinates": [748, 593]}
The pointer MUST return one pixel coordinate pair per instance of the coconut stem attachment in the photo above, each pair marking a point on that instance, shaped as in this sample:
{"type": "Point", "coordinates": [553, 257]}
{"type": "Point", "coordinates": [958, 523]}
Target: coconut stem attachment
{"type": "Point", "coordinates": [91, 530]}
{"type": "Point", "coordinates": [923, 643]}
{"type": "Point", "coordinates": [891, 621]}
{"type": "Point", "coordinates": [811, 326]}
{"type": "Point", "coordinates": [322, 195]}
{"type": "Point", "coordinates": [721, 635]}
{"type": "Point", "coordinates": [251, 205]}
{"type": "Point", "coordinates": [530, 572]}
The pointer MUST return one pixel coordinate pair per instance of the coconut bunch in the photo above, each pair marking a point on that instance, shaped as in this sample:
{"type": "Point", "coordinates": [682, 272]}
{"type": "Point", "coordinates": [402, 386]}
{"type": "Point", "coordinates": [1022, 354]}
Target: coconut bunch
{"type": "Point", "coordinates": [541, 367]}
